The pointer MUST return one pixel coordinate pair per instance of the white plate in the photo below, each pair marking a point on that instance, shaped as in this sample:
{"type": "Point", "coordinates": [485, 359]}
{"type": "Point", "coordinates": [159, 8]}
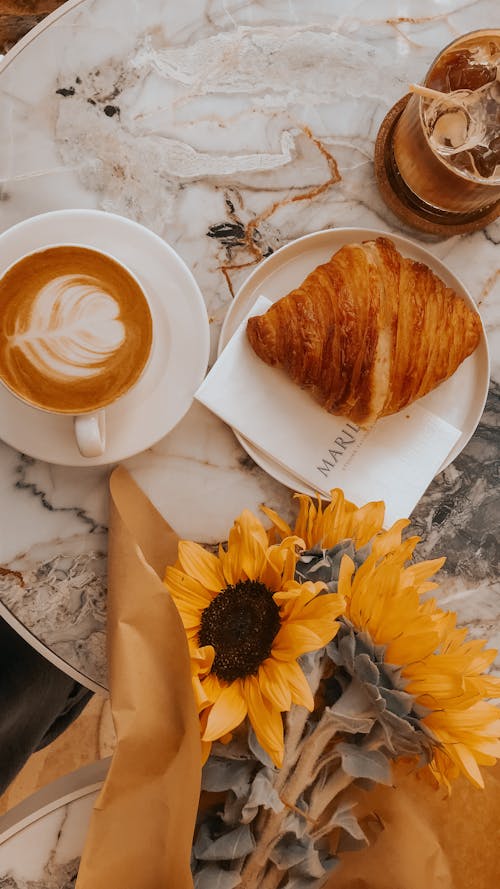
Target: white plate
{"type": "Point", "coordinates": [460, 400]}
{"type": "Point", "coordinates": [180, 352]}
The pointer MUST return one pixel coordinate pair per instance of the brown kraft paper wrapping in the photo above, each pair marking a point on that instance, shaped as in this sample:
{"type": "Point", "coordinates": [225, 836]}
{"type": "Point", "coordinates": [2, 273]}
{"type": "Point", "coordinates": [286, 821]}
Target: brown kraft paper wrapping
{"type": "Point", "coordinates": [430, 840]}
{"type": "Point", "coordinates": [141, 830]}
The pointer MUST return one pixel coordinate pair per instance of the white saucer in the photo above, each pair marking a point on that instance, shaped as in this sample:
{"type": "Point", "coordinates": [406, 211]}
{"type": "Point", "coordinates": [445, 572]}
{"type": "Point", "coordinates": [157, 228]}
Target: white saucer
{"type": "Point", "coordinates": [180, 352]}
{"type": "Point", "coordinates": [460, 400]}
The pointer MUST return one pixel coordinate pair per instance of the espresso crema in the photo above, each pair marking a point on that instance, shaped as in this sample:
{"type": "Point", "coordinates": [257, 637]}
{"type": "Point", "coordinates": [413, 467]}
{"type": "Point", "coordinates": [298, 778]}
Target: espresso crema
{"type": "Point", "coordinates": [75, 329]}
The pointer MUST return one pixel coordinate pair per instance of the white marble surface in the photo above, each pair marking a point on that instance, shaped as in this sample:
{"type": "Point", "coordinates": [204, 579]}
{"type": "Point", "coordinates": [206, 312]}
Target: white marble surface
{"type": "Point", "coordinates": [47, 852]}
{"type": "Point", "coordinates": [223, 126]}
{"type": "Point", "coordinates": [41, 839]}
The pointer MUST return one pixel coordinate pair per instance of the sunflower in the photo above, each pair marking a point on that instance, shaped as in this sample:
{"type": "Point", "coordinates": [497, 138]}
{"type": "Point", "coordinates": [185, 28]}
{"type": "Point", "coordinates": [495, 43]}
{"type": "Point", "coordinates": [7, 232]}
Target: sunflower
{"type": "Point", "coordinates": [439, 666]}
{"type": "Point", "coordinates": [247, 622]}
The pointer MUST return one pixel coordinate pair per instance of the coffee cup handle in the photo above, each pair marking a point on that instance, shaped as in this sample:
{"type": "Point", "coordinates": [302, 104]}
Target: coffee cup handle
{"type": "Point", "coordinates": [90, 434]}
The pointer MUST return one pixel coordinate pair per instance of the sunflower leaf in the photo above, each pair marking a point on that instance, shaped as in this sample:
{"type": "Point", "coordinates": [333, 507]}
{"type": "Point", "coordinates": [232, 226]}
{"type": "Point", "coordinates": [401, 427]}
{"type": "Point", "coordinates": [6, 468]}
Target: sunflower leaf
{"type": "Point", "coordinates": [366, 670]}
{"type": "Point", "coordinates": [233, 807]}
{"type": "Point", "coordinates": [353, 711]}
{"type": "Point", "coordinates": [262, 793]}
{"type": "Point", "coordinates": [224, 774]}
{"type": "Point", "coordinates": [311, 867]}
{"type": "Point", "coordinates": [359, 763]}
{"type": "Point", "coordinates": [310, 664]}
{"type": "Point", "coordinates": [237, 748]}
{"type": "Point", "coordinates": [404, 738]}
{"type": "Point", "coordinates": [213, 877]}
{"type": "Point", "coordinates": [323, 564]}
{"type": "Point", "coordinates": [228, 847]}
{"type": "Point", "coordinates": [298, 882]}
{"type": "Point", "coordinates": [289, 851]}
{"type": "Point", "coordinates": [342, 650]}
{"type": "Point", "coordinates": [398, 702]}
{"type": "Point", "coordinates": [294, 823]}
{"type": "Point", "coordinates": [344, 818]}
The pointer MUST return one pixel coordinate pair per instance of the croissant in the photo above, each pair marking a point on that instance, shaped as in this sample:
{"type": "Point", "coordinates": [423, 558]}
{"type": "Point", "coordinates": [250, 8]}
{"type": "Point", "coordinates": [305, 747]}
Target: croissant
{"type": "Point", "coordinates": [368, 332]}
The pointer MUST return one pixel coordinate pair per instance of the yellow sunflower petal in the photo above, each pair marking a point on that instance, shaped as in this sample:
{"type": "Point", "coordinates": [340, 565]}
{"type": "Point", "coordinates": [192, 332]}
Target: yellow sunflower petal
{"type": "Point", "coordinates": [248, 536]}
{"type": "Point", "coordinates": [228, 711]}
{"type": "Point", "coordinates": [190, 619]}
{"type": "Point", "coordinates": [266, 720]}
{"type": "Point", "coordinates": [306, 519]}
{"type": "Point", "coordinates": [345, 576]}
{"type": "Point", "coordinates": [201, 565]}
{"type": "Point", "coordinates": [433, 684]}
{"type": "Point", "coordinates": [341, 519]}
{"type": "Point", "coordinates": [293, 640]}
{"type": "Point", "coordinates": [489, 686]}
{"type": "Point", "coordinates": [295, 596]}
{"type": "Point", "coordinates": [315, 614]}
{"type": "Point", "coordinates": [368, 521]}
{"type": "Point", "coordinates": [298, 684]}
{"type": "Point", "coordinates": [274, 684]}
{"type": "Point", "coordinates": [468, 764]}
{"type": "Point", "coordinates": [201, 699]}
{"type": "Point", "coordinates": [387, 541]}
{"type": "Point", "coordinates": [188, 609]}
{"type": "Point", "coordinates": [212, 687]}
{"type": "Point", "coordinates": [277, 521]}
{"type": "Point", "coordinates": [231, 565]}
{"type": "Point", "coordinates": [411, 648]}
{"type": "Point", "coordinates": [202, 660]}
{"type": "Point", "coordinates": [280, 562]}
{"type": "Point", "coordinates": [417, 574]}
{"type": "Point", "coordinates": [324, 607]}
{"type": "Point", "coordinates": [186, 589]}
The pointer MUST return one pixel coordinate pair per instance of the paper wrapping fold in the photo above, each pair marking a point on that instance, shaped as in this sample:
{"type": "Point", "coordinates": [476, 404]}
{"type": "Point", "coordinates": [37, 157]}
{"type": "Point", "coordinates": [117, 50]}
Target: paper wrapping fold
{"type": "Point", "coordinates": [142, 826]}
{"type": "Point", "coordinates": [429, 841]}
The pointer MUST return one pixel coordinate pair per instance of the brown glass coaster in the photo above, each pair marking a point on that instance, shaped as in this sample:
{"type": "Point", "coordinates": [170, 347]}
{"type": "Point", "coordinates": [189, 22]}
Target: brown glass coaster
{"type": "Point", "coordinates": [420, 217]}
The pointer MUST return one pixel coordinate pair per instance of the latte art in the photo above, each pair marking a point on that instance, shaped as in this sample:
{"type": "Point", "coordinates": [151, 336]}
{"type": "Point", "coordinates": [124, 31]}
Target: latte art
{"type": "Point", "coordinates": [73, 326]}
{"type": "Point", "coordinates": [75, 329]}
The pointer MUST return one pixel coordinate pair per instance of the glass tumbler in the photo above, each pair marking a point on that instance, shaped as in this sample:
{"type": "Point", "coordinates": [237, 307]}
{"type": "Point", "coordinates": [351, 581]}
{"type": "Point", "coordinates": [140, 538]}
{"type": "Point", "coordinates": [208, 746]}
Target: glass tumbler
{"type": "Point", "coordinates": [443, 155]}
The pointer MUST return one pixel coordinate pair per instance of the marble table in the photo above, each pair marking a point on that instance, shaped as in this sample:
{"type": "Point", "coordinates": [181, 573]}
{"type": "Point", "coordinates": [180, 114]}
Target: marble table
{"type": "Point", "coordinates": [41, 839]}
{"type": "Point", "coordinates": [222, 125]}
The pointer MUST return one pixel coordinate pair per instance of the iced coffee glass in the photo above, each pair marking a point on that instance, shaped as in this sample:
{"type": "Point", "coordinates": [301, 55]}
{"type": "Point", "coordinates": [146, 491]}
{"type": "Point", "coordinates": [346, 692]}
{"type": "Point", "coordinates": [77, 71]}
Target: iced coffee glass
{"type": "Point", "coordinates": [445, 153]}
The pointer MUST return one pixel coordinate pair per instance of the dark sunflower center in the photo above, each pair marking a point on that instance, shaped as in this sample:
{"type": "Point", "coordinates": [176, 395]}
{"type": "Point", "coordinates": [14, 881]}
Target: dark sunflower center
{"type": "Point", "coordinates": [241, 624]}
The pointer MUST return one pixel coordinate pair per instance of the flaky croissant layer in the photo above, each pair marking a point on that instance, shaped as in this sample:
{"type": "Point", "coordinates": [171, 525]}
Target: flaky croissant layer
{"type": "Point", "coordinates": [368, 332]}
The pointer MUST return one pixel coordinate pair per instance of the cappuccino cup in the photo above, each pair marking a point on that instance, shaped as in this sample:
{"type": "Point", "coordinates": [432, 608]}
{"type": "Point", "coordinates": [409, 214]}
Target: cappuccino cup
{"type": "Point", "coordinates": [76, 334]}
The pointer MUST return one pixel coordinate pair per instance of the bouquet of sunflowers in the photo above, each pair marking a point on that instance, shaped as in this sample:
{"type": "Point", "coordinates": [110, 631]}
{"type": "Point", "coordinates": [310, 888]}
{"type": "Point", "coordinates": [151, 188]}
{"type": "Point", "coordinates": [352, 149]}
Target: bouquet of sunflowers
{"type": "Point", "coordinates": [318, 658]}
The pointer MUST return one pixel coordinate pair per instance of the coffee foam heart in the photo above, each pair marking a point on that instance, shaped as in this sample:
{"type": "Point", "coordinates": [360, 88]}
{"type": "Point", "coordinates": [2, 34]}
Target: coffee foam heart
{"type": "Point", "coordinates": [70, 328]}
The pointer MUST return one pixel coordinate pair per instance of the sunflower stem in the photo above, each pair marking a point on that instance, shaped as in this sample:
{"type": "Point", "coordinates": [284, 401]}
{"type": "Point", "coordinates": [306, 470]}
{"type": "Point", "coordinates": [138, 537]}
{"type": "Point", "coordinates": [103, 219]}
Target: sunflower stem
{"type": "Point", "coordinates": [296, 723]}
{"type": "Point", "coordinates": [300, 756]}
{"type": "Point", "coordinates": [272, 878]}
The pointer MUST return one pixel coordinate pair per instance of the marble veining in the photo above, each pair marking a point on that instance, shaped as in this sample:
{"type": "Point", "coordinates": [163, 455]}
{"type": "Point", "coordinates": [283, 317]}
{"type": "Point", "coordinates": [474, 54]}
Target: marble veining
{"type": "Point", "coordinates": [55, 876]}
{"type": "Point", "coordinates": [45, 853]}
{"type": "Point", "coordinates": [24, 483]}
{"type": "Point", "coordinates": [62, 599]}
{"type": "Point", "coordinates": [228, 127]}
{"type": "Point", "coordinates": [458, 517]}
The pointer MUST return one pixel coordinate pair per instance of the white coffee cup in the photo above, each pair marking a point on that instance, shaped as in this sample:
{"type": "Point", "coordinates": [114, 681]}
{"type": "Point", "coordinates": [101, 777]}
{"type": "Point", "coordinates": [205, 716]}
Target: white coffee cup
{"type": "Point", "coordinates": [68, 331]}
{"type": "Point", "coordinates": [90, 433]}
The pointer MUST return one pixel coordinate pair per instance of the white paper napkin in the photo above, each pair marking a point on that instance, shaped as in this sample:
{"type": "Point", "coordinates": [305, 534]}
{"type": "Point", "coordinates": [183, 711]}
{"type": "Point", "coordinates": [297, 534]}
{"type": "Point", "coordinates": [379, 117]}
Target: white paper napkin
{"type": "Point", "coordinates": [393, 461]}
